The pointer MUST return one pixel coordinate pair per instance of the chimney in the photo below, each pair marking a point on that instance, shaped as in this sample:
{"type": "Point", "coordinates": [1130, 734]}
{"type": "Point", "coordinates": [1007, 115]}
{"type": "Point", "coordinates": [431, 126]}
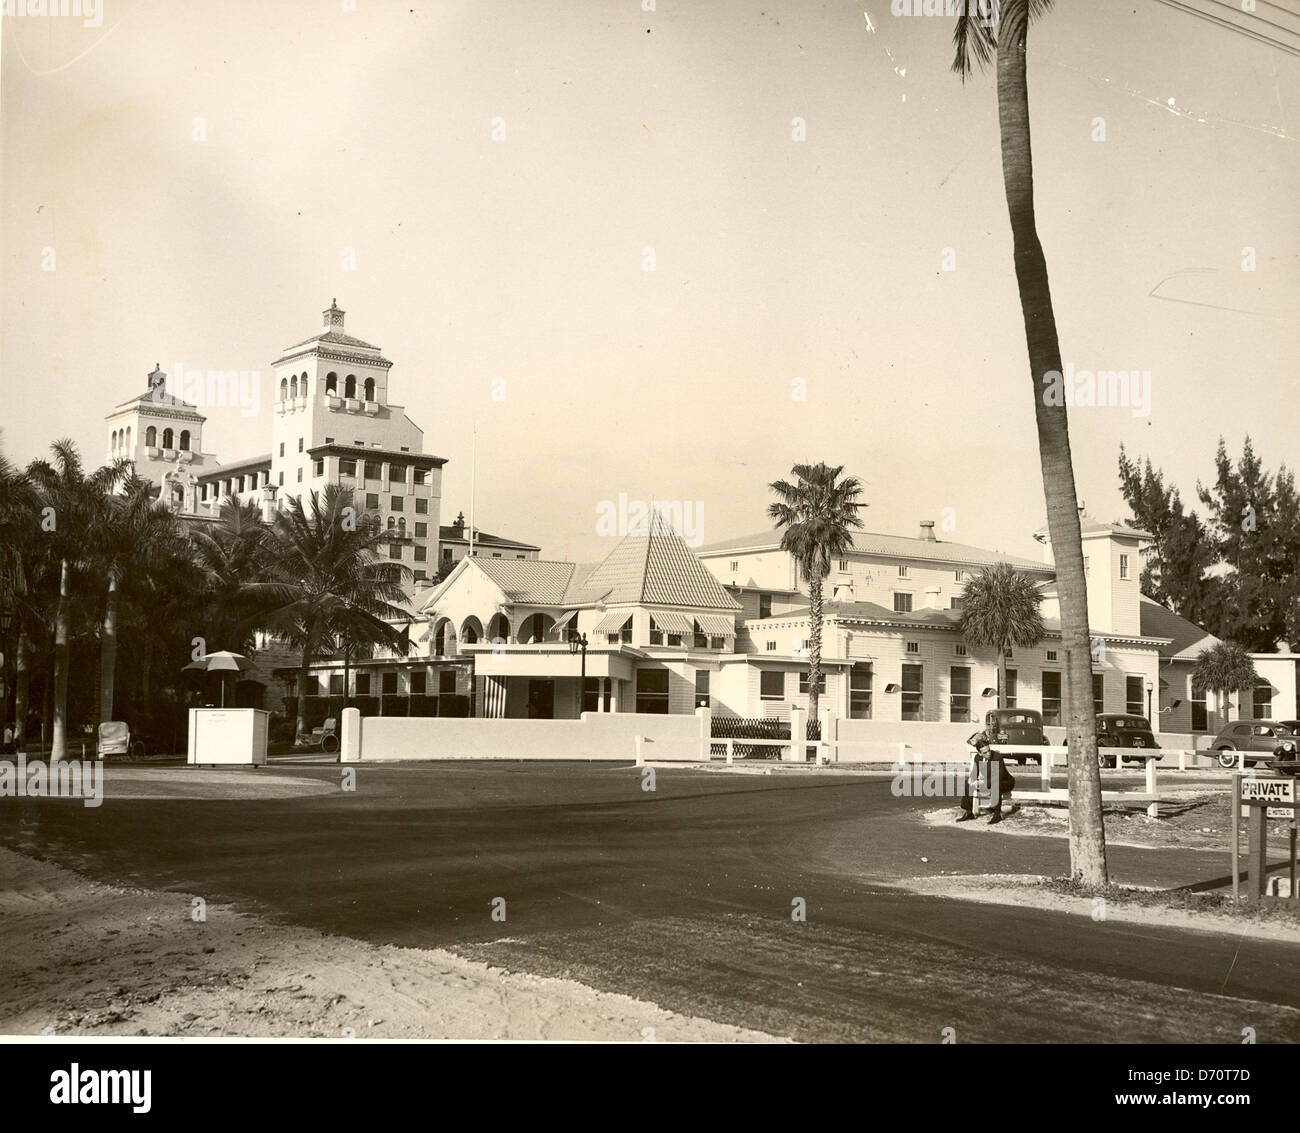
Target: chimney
{"type": "Point", "coordinates": [333, 316]}
{"type": "Point", "coordinates": [931, 597]}
{"type": "Point", "coordinates": [268, 503]}
{"type": "Point", "coordinates": [927, 531]}
{"type": "Point", "coordinates": [459, 525]}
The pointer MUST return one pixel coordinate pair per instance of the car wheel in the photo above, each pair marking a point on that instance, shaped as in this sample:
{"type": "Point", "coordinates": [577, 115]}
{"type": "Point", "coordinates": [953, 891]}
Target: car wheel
{"type": "Point", "coordinates": [1227, 758]}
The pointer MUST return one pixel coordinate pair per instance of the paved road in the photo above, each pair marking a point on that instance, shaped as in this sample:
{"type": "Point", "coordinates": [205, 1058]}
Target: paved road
{"type": "Point", "coordinates": [683, 896]}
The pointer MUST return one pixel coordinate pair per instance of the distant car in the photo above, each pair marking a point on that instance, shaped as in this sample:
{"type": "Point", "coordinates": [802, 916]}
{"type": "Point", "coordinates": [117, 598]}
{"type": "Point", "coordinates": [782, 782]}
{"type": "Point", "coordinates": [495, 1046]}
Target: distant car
{"type": "Point", "coordinates": [1123, 730]}
{"type": "Point", "coordinates": [1255, 741]}
{"type": "Point", "coordinates": [1017, 726]}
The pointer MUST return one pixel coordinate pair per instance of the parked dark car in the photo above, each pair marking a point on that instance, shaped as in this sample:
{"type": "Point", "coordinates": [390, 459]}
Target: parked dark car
{"type": "Point", "coordinates": [1017, 726]}
{"type": "Point", "coordinates": [1258, 741]}
{"type": "Point", "coordinates": [1123, 730]}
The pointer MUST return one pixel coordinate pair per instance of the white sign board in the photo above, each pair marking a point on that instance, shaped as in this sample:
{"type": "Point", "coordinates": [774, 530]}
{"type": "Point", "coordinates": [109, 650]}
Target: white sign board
{"type": "Point", "coordinates": [1269, 791]}
{"type": "Point", "coordinates": [229, 736]}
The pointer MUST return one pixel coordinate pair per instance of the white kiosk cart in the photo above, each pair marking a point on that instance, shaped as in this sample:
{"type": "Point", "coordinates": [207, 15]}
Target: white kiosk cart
{"type": "Point", "coordinates": [228, 737]}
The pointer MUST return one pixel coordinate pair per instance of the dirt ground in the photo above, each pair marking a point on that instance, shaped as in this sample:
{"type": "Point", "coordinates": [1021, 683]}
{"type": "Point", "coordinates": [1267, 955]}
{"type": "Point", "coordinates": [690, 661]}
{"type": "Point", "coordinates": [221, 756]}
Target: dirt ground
{"type": "Point", "coordinates": [81, 958]}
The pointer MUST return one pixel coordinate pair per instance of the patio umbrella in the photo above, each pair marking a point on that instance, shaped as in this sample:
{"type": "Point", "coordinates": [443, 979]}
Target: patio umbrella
{"type": "Point", "coordinates": [223, 661]}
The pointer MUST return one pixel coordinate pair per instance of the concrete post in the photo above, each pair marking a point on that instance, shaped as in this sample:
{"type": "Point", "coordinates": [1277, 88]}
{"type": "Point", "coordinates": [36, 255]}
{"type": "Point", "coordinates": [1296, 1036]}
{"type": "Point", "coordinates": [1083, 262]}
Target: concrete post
{"type": "Point", "coordinates": [350, 737]}
{"type": "Point", "coordinates": [798, 735]}
{"type": "Point", "coordinates": [705, 718]}
{"type": "Point", "coordinates": [640, 751]}
{"type": "Point", "coordinates": [1153, 808]}
{"type": "Point", "coordinates": [825, 753]}
{"type": "Point", "coordinates": [731, 752]}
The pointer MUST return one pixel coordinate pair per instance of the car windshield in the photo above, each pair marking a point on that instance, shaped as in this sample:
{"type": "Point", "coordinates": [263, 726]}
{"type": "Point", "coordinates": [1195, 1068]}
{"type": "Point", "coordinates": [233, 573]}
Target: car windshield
{"type": "Point", "coordinates": [1017, 718]}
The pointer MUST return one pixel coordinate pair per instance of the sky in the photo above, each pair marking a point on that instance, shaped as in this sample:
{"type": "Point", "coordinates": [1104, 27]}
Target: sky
{"type": "Point", "coordinates": [483, 187]}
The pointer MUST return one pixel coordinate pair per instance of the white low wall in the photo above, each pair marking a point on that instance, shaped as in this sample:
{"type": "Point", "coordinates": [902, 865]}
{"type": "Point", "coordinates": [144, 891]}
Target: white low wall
{"type": "Point", "coordinates": [597, 735]}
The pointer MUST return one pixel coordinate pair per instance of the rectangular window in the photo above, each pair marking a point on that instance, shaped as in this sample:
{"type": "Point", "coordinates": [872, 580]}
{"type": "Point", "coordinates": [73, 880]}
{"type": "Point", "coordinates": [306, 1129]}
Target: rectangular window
{"type": "Point", "coordinates": [419, 476]}
{"type": "Point", "coordinates": [318, 467]}
{"type": "Point", "coordinates": [329, 440]}
{"type": "Point", "coordinates": [902, 570]}
{"type": "Point", "coordinates": [395, 503]}
{"type": "Point", "coordinates": [421, 554]}
{"type": "Point", "coordinates": [348, 467]}
{"type": "Point", "coordinates": [1200, 717]}
{"type": "Point", "coordinates": [656, 634]}
{"type": "Point", "coordinates": [421, 530]}
{"type": "Point", "coordinates": [771, 686]}
{"type": "Point", "coordinates": [1098, 693]}
{"type": "Point", "coordinates": [299, 475]}
{"type": "Point", "coordinates": [1133, 696]}
{"type": "Point", "coordinates": [282, 448]}
{"type": "Point", "coordinates": [771, 646]}
{"type": "Point", "coordinates": [336, 684]}
{"type": "Point", "coordinates": [913, 703]}
{"type": "Point", "coordinates": [397, 474]}
{"type": "Point", "coordinates": [394, 550]}
{"type": "Point", "coordinates": [1051, 654]}
{"type": "Point", "coordinates": [803, 684]}
{"type": "Point", "coordinates": [281, 479]}
{"type": "Point", "coordinates": [372, 501]}
{"type": "Point", "coordinates": [363, 684]}
{"type": "Point", "coordinates": [1052, 698]}
{"type": "Point", "coordinates": [674, 639]}
{"type": "Point", "coordinates": [912, 647]}
{"type": "Point", "coordinates": [418, 678]}
{"type": "Point", "coordinates": [389, 684]}
{"type": "Point", "coordinates": [860, 691]}
{"type": "Point", "coordinates": [300, 444]}
{"type": "Point", "coordinates": [373, 470]}
{"type": "Point", "coordinates": [496, 554]}
{"type": "Point", "coordinates": [765, 605]}
{"type": "Point", "coordinates": [446, 554]}
{"type": "Point", "coordinates": [1263, 701]}
{"type": "Point", "coordinates": [1013, 687]}
{"type": "Point", "coordinates": [735, 565]}
{"type": "Point", "coordinates": [959, 649]}
{"type": "Point", "coordinates": [716, 642]}
{"type": "Point", "coordinates": [421, 576]}
{"type": "Point", "coordinates": [1123, 566]}
{"type": "Point", "coordinates": [447, 682]}
{"type": "Point", "coordinates": [421, 507]}
{"type": "Point", "coordinates": [959, 706]}
{"type": "Point", "coordinates": [652, 691]}
{"type": "Point", "coordinates": [701, 688]}
{"type": "Point", "coordinates": [844, 564]}
{"type": "Point", "coordinates": [956, 603]}
{"type": "Point", "coordinates": [902, 603]}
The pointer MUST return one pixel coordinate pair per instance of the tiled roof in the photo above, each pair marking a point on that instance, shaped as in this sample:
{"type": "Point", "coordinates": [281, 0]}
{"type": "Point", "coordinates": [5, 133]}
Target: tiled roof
{"type": "Point", "coordinates": [869, 611]}
{"type": "Point", "coordinates": [335, 338]}
{"type": "Point", "coordinates": [653, 569]}
{"type": "Point", "coordinates": [1090, 526]}
{"type": "Point", "coordinates": [166, 401]}
{"type": "Point", "coordinates": [531, 582]}
{"type": "Point", "coordinates": [1189, 639]}
{"type": "Point", "coordinates": [891, 546]}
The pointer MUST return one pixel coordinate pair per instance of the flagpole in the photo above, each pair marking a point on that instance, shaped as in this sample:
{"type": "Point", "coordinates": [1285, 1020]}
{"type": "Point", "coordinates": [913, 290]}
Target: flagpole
{"type": "Point", "coordinates": [473, 472]}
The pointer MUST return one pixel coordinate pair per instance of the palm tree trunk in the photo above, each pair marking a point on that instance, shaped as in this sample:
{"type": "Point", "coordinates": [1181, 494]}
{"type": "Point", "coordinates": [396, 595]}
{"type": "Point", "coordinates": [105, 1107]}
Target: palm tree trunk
{"type": "Point", "coordinates": [22, 690]}
{"type": "Point", "coordinates": [108, 653]}
{"type": "Point", "coordinates": [1087, 834]}
{"type": "Point", "coordinates": [304, 675]}
{"type": "Point", "coordinates": [1002, 677]}
{"type": "Point", "coordinates": [59, 741]}
{"type": "Point", "coordinates": [814, 654]}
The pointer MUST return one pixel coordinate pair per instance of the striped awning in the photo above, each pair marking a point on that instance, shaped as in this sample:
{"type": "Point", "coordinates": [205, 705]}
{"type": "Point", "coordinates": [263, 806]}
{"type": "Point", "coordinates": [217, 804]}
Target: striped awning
{"type": "Point", "coordinates": [715, 625]}
{"type": "Point", "coordinates": [612, 622]}
{"type": "Point", "coordinates": [671, 622]}
{"type": "Point", "coordinates": [564, 621]}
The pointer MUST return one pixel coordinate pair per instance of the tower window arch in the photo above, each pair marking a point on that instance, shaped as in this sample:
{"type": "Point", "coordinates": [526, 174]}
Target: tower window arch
{"type": "Point", "coordinates": [151, 436]}
{"type": "Point", "coordinates": [401, 527]}
{"type": "Point", "coordinates": [370, 389]}
{"type": "Point", "coordinates": [391, 523]}
{"type": "Point", "coordinates": [331, 383]}
{"type": "Point", "coordinates": [128, 438]}
{"type": "Point", "coordinates": [167, 438]}
{"type": "Point", "coordinates": [350, 386]}
{"type": "Point", "coordinates": [284, 389]}
{"type": "Point", "coordinates": [185, 440]}
{"type": "Point", "coordinates": [293, 388]}
{"type": "Point", "coordinates": [302, 386]}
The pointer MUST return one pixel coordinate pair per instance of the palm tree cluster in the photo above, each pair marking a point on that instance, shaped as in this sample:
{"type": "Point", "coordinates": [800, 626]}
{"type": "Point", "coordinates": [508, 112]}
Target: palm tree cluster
{"type": "Point", "coordinates": [107, 594]}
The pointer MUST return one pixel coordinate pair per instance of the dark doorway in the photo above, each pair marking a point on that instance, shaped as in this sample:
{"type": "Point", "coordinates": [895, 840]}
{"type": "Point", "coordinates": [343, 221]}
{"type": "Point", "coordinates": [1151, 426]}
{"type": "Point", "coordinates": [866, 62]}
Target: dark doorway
{"type": "Point", "coordinates": [541, 700]}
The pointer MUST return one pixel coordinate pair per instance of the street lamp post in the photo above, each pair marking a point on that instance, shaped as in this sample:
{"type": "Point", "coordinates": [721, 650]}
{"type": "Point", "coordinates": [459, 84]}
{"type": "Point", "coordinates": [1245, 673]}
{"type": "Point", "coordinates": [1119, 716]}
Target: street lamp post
{"type": "Point", "coordinates": [576, 644]}
{"type": "Point", "coordinates": [1150, 686]}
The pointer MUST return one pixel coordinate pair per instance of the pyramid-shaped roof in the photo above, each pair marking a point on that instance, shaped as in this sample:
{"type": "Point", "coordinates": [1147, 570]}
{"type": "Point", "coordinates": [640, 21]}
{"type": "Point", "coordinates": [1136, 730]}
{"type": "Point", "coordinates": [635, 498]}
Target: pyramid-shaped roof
{"type": "Point", "coordinates": [654, 568]}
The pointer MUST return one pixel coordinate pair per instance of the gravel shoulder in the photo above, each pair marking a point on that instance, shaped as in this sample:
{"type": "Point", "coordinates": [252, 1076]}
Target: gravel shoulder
{"type": "Point", "coordinates": [87, 959]}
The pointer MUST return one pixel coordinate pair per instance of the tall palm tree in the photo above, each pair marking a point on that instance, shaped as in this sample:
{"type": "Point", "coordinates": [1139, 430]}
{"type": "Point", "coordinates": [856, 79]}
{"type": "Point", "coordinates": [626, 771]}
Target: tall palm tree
{"type": "Point", "coordinates": [975, 39]}
{"type": "Point", "coordinates": [70, 501]}
{"type": "Point", "coordinates": [325, 571]}
{"type": "Point", "coordinates": [1001, 609]}
{"type": "Point", "coordinates": [816, 515]}
{"type": "Point", "coordinates": [20, 581]}
{"type": "Point", "coordinates": [1224, 668]}
{"type": "Point", "coordinates": [230, 556]}
{"type": "Point", "coordinates": [132, 535]}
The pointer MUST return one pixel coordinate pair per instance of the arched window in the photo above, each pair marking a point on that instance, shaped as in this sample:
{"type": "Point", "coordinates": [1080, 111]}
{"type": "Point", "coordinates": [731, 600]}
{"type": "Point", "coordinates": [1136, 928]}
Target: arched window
{"type": "Point", "coordinates": [167, 438]}
{"type": "Point", "coordinates": [293, 388]}
{"type": "Point", "coordinates": [370, 389]}
{"type": "Point", "coordinates": [284, 389]}
{"type": "Point", "coordinates": [112, 441]}
{"type": "Point", "coordinates": [332, 383]}
{"type": "Point", "coordinates": [302, 386]}
{"type": "Point", "coordinates": [468, 634]}
{"type": "Point", "coordinates": [128, 438]}
{"type": "Point", "coordinates": [391, 523]}
{"type": "Point", "coordinates": [151, 437]}
{"type": "Point", "coordinates": [185, 440]}
{"type": "Point", "coordinates": [350, 386]}
{"type": "Point", "coordinates": [401, 527]}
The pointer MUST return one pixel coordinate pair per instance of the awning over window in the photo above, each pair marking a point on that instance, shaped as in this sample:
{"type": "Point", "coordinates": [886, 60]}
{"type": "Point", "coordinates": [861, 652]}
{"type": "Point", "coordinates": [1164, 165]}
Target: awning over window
{"type": "Point", "coordinates": [564, 621]}
{"type": "Point", "coordinates": [715, 625]}
{"type": "Point", "coordinates": [670, 622]}
{"type": "Point", "coordinates": [612, 623]}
